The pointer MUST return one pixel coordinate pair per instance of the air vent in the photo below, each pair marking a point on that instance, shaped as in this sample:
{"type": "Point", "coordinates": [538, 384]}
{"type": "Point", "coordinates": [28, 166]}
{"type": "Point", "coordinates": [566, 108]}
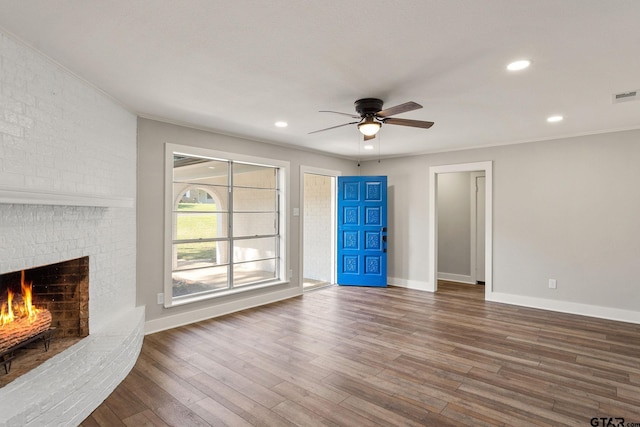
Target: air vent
{"type": "Point", "coordinates": [631, 95]}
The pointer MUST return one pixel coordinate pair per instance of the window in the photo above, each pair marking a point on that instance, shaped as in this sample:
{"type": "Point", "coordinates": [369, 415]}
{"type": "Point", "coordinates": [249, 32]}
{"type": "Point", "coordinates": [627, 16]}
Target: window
{"type": "Point", "coordinates": [225, 221]}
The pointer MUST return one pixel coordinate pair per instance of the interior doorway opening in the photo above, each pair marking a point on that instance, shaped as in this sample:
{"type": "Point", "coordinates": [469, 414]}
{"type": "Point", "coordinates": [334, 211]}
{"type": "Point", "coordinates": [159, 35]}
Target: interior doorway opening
{"type": "Point", "coordinates": [318, 228]}
{"type": "Point", "coordinates": [461, 229]}
{"type": "Point", "coordinates": [435, 173]}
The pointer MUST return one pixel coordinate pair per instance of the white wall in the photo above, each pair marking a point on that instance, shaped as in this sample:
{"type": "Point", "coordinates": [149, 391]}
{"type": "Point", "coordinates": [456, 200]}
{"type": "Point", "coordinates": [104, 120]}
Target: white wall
{"type": "Point", "coordinates": [60, 137]}
{"type": "Point", "coordinates": [152, 135]}
{"type": "Point", "coordinates": [317, 227]}
{"type": "Point", "coordinates": [454, 223]}
{"type": "Point", "coordinates": [565, 209]}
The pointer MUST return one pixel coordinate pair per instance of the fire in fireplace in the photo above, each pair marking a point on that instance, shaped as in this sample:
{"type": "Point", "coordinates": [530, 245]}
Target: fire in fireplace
{"type": "Point", "coordinates": [20, 320]}
{"type": "Point", "coordinates": [43, 302]}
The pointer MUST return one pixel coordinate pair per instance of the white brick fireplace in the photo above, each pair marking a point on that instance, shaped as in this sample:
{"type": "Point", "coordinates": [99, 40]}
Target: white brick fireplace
{"type": "Point", "coordinates": [67, 190]}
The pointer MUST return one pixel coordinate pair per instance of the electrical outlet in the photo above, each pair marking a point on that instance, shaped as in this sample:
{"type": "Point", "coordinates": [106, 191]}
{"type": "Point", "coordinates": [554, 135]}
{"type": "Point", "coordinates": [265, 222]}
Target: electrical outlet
{"type": "Point", "coordinates": [553, 284]}
{"type": "Point", "coordinates": [160, 298]}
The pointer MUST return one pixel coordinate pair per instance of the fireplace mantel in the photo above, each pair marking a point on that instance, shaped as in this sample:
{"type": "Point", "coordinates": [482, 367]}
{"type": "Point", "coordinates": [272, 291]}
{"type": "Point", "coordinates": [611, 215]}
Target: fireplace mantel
{"type": "Point", "coordinates": [9, 195]}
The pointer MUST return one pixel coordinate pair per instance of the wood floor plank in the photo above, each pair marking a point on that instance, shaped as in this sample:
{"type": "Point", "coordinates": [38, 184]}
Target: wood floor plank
{"type": "Point", "coordinates": [629, 394]}
{"type": "Point", "coordinates": [146, 418]}
{"type": "Point", "coordinates": [240, 404]}
{"type": "Point", "coordinates": [286, 370]}
{"type": "Point", "coordinates": [470, 418]}
{"type": "Point", "coordinates": [416, 394]}
{"type": "Point", "coordinates": [171, 382]}
{"type": "Point", "coordinates": [554, 389]}
{"type": "Point", "coordinates": [423, 372]}
{"type": "Point", "coordinates": [104, 416]}
{"type": "Point", "coordinates": [299, 415]}
{"type": "Point", "coordinates": [218, 415]}
{"type": "Point", "coordinates": [244, 385]}
{"type": "Point", "coordinates": [308, 379]}
{"type": "Point", "coordinates": [617, 409]}
{"type": "Point", "coordinates": [345, 356]}
{"type": "Point", "coordinates": [348, 366]}
{"type": "Point", "coordinates": [377, 396]}
{"type": "Point", "coordinates": [378, 414]}
{"type": "Point", "coordinates": [176, 414]}
{"type": "Point", "coordinates": [580, 381]}
{"type": "Point", "coordinates": [257, 374]}
{"type": "Point", "coordinates": [125, 403]}
{"type": "Point", "coordinates": [326, 409]}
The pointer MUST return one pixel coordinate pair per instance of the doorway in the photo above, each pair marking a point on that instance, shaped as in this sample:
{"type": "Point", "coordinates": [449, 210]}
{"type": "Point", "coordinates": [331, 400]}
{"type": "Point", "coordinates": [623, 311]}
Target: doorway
{"type": "Point", "coordinates": [478, 207]}
{"type": "Point", "coordinates": [484, 168]}
{"type": "Point", "coordinates": [318, 217]}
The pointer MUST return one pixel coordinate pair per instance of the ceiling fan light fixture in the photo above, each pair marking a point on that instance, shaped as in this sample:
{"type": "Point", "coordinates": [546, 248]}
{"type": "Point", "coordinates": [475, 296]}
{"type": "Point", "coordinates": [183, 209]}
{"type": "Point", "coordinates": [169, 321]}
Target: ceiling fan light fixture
{"type": "Point", "coordinates": [519, 65]}
{"type": "Point", "coordinates": [369, 126]}
{"type": "Point", "coordinates": [371, 116]}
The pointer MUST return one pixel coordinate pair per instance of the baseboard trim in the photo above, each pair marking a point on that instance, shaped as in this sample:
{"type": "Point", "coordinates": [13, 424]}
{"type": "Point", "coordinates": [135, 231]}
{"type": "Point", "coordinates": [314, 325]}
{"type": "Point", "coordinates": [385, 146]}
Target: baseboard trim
{"type": "Point", "coordinates": [410, 284]}
{"type": "Point", "coordinates": [608, 313]}
{"type": "Point", "coordinates": [452, 277]}
{"type": "Point", "coordinates": [170, 322]}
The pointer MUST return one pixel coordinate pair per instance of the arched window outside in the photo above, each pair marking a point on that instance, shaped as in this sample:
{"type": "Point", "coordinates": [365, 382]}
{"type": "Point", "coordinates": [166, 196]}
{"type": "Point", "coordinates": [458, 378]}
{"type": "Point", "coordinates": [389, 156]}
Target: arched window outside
{"type": "Point", "coordinates": [199, 212]}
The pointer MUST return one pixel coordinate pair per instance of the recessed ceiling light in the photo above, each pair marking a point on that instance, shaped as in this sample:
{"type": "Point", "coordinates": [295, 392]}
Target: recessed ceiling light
{"type": "Point", "coordinates": [368, 147]}
{"type": "Point", "coordinates": [281, 124]}
{"type": "Point", "coordinates": [555, 119]}
{"type": "Point", "coordinates": [518, 65]}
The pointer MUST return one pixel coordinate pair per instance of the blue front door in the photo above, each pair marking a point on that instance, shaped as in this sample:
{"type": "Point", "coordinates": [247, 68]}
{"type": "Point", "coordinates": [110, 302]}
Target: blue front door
{"type": "Point", "coordinates": [362, 230]}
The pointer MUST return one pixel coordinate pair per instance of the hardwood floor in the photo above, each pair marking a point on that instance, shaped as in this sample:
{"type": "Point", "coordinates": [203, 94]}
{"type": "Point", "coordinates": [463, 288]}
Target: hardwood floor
{"type": "Point", "coordinates": [345, 356]}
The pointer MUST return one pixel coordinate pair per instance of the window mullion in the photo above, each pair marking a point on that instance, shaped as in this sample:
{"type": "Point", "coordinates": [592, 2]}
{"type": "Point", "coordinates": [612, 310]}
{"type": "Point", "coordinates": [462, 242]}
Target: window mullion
{"type": "Point", "coordinates": [230, 231]}
{"type": "Point", "coordinates": [278, 207]}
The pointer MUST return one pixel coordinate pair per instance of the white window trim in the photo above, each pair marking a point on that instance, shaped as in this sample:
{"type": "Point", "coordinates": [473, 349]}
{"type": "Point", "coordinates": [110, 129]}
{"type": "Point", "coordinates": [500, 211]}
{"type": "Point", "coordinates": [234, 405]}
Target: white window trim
{"type": "Point", "coordinates": [283, 184]}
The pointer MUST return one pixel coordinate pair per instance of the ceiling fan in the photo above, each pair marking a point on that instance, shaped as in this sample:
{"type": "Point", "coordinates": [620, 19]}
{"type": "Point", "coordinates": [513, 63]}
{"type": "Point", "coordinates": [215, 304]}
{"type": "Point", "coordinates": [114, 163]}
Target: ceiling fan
{"type": "Point", "coordinates": [371, 117]}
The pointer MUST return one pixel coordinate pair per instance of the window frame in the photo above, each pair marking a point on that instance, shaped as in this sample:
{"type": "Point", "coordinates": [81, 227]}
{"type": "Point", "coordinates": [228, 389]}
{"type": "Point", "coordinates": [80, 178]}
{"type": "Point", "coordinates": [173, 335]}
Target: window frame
{"type": "Point", "coordinates": [282, 241]}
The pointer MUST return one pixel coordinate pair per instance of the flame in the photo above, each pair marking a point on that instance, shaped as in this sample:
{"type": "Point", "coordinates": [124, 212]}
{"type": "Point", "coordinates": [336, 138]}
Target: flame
{"type": "Point", "coordinates": [9, 310]}
{"type": "Point", "coordinates": [27, 297]}
{"type": "Point", "coordinates": [6, 312]}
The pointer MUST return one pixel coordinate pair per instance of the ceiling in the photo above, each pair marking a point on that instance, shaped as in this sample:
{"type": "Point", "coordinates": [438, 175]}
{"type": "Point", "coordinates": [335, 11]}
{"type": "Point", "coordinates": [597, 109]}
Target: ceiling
{"type": "Point", "coordinates": [236, 67]}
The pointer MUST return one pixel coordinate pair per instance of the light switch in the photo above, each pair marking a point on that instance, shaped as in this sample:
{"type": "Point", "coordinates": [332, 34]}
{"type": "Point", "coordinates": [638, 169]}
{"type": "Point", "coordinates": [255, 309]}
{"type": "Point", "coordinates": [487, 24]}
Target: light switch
{"type": "Point", "coordinates": [296, 211]}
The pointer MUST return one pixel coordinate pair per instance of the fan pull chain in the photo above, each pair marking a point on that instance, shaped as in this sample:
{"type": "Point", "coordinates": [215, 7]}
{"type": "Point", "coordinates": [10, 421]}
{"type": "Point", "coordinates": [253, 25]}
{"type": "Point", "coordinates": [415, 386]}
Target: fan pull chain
{"type": "Point", "coordinates": [359, 143]}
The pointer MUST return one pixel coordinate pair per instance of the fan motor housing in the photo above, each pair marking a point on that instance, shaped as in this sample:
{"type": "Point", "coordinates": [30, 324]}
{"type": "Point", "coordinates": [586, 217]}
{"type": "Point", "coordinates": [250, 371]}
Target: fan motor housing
{"type": "Point", "coordinates": [368, 106]}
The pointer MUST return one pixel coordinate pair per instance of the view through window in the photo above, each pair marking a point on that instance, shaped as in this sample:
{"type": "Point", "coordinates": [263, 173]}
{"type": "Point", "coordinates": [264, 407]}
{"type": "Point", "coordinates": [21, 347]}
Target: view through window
{"type": "Point", "coordinates": [225, 225]}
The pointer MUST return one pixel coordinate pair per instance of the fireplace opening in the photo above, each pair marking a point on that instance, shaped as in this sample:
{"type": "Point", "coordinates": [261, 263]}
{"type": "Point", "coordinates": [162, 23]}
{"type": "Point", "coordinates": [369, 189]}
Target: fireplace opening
{"type": "Point", "coordinates": [44, 311]}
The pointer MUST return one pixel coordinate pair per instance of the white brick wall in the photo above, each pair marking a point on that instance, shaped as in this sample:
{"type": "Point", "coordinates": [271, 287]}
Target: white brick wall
{"type": "Point", "coordinates": [59, 134]}
{"type": "Point", "coordinates": [317, 224]}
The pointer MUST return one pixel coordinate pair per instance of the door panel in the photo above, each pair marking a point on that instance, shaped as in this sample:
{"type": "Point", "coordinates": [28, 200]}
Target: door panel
{"type": "Point", "coordinates": [362, 230]}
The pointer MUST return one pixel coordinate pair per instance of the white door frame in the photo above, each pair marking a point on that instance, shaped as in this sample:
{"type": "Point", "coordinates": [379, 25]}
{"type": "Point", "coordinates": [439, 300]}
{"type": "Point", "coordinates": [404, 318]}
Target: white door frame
{"type": "Point", "coordinates": [325, 172]}
{"type": "Point", "coordinates": [487, 167]}
{"type": "Point", "coordinates": [473, 202]}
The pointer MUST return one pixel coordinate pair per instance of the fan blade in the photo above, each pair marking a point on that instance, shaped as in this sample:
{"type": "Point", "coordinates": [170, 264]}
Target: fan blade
{"type": "Point", "coordinates": [333, 127]}
{"type": "Point", "coordinates": [407, 122]}
{"type": "Point", "coordinates": [402, 108]}
{"type": "Point", "coordinates": [369, 137]}
{"type": "Point", "coordinates": [338, 112]}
